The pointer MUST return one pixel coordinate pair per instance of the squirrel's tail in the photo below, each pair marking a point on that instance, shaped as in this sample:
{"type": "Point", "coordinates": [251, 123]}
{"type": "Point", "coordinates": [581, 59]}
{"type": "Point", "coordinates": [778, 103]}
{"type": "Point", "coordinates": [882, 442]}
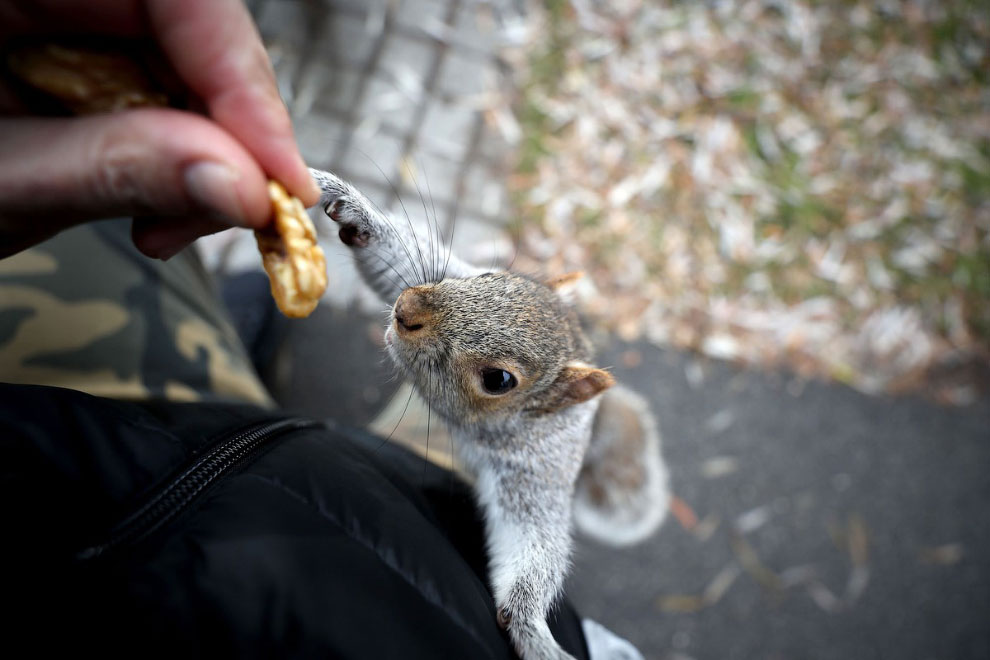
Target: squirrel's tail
{"type": "Point", "coordinates": [622, 496]}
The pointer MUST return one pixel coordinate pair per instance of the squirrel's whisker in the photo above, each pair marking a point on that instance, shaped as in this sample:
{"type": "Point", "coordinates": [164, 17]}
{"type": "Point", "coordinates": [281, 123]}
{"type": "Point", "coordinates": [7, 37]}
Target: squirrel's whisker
{"type": "Point", "coordinates": [450, 246]}
{"type": "Point", "coordinates": [401, 417]}
{"type": "Point", "coordinates": [426, 215]}
{"type": "Point", "coordinates": [494, 255]}
{"type": "Point", "coordinates": [384, 216]}
{"type": "Point", "coordinates": [436, 221]}
{"type": "Point", "coordinates": [412, 229]}
{"type": "Point", "coordinates": [412, 261]}
{"type": "Point", "coordinates": [515, 253]}
{"type": "Point", "coordinates": [429, 419]}
{"type": "Point", "coordinates": [383, 273]}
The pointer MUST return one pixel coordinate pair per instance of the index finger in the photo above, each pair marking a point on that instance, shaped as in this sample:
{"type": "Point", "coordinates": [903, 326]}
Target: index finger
{"type": "Point", "coordinates": [216, 50]}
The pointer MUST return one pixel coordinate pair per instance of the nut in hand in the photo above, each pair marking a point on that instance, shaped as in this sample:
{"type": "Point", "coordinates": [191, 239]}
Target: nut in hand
{"type": "Point", "coordinates": [88, 80]}
{"type": "Point", "coordinates": [291, 256]}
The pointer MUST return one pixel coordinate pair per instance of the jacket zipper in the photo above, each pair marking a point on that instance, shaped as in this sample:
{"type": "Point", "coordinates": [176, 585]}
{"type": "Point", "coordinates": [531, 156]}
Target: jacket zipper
{"type": "Point", "coordinates": [178, 494]}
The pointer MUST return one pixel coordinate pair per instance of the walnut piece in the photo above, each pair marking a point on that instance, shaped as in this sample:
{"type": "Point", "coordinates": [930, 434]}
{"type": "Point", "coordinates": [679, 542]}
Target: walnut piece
{"type": "Point", "coordinates": [292, 258]}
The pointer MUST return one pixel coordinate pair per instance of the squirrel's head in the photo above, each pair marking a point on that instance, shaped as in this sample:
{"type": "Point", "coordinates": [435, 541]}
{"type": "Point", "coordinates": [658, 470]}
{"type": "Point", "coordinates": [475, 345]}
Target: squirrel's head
{"type": "Point", "coordinates": [493, 346]}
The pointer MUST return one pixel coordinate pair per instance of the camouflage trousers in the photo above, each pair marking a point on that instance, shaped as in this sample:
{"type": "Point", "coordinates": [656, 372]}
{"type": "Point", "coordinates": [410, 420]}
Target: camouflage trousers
{"type": "Point", "coordinates": [86, 311]}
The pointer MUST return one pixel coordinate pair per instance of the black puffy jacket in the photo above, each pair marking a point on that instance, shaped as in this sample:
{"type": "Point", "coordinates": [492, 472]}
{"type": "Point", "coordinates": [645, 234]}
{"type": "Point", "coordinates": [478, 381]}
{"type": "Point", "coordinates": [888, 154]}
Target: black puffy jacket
{"type": "Point", "coordinates": [224, 531]}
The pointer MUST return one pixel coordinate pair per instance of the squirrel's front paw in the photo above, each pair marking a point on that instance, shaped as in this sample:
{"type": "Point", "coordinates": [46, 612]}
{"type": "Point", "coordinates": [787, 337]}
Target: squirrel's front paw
{"type": "Point", "coordinates": [355, 230]}
{"type": "Point", "coordinates": [530, 636]}
{"type": "Point", "coordinates": [347, 207]}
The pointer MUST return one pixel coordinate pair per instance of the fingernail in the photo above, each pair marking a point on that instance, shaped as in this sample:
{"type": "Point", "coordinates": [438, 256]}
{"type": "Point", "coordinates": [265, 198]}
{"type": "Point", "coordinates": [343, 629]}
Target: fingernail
{"type": "Point", "coordinates": [214, 186]}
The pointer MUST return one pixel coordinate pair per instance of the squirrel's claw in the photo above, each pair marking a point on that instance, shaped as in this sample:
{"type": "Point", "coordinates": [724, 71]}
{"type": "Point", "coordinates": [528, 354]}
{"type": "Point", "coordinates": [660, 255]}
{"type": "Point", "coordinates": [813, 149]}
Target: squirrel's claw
{"type": "Point", "coordinates": [353, 237]}
{"type": "Point", "coordinates": [351, 232]}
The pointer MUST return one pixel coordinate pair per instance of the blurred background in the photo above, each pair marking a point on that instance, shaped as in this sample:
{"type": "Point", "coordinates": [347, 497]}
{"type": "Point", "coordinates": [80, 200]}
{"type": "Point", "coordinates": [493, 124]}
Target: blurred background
{"type": "Point", "coordinates": [783, 209]}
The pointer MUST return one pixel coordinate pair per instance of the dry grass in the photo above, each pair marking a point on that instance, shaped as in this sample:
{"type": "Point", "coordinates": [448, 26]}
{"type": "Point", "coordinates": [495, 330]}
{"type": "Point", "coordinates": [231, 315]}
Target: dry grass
{"type": "Point", "coordinates": [798, 182]}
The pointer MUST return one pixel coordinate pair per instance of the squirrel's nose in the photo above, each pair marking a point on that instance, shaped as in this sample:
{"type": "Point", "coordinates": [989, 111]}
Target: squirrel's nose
{"type": "Point", "coordinates": [411, 314]}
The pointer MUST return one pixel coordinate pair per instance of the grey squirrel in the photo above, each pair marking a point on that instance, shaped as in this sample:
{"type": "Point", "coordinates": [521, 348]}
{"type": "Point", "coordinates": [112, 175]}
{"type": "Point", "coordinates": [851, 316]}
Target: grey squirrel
{"type": "Point", "coordinates": [504, 360]}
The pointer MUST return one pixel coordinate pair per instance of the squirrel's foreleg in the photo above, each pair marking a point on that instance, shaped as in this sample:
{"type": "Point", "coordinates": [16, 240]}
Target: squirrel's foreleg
{"type": "Point", "coordinates": [389, 254]}
{"type": "Point", "coordinates": [529, 544]}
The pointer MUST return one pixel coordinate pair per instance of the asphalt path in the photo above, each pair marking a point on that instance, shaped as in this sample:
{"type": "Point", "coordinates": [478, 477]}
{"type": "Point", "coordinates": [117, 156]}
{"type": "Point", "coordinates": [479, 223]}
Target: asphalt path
{"type": "Point", "coordinates": [814, 522]}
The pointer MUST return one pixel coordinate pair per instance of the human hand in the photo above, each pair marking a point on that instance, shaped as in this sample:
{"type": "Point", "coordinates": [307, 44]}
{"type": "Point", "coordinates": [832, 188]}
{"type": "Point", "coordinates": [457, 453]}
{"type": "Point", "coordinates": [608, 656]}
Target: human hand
{"type": "Point", "coordinates": [180, 174]}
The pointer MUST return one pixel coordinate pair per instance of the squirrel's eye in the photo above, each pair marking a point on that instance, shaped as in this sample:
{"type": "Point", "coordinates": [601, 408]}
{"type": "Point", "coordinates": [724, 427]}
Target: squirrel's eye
{"type": "Point", "coordinates": [497, 381]}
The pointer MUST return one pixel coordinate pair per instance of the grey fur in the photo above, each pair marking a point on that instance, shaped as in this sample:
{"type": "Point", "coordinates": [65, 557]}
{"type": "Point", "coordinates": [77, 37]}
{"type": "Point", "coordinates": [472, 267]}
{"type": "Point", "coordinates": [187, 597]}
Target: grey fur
{"type": "Point", "coordinates": [525, 447]}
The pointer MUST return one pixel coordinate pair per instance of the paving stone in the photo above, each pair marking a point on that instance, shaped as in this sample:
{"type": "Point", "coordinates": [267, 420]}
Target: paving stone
{"type": "Point", "coordinates": [286, 63]}
{"type": "Point", "coordinates": [335, 90]}
{"type": "Point", "coordinates": [322, 82]}
{"type": "Point", "coordinates": [481, 243]}
{"type": "Point", "coordinates": [372, 158]}
{"type": "Point", "coordinates": [474, 27]}
{"type": "Point", "coordinates": [284, 20]}
{"type": "Point", "coordinates": [389, 103]}
{"type": "Point", "coordinates": [407, 62]}
{"type": "Point", "coordinates": [436, 177]}
{"type": "Point", "coordinates": [447, 128]}
{"type": "Point", "coordinates": [485, 193]}
{"type": "Point", "coordinates": [415, 15]}
{"type": "Point", "coordinates": [319, 138]}
{"type": "Point", "coordinates": [493, 147]}
{"type": "Point", "coordinates": [464, 74]}
{"type": "Point", "coordinates": [347, 39]}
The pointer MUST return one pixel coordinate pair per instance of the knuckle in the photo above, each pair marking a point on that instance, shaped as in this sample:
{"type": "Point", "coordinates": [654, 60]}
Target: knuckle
{"type": "Point", "coordinates": [120, 159]}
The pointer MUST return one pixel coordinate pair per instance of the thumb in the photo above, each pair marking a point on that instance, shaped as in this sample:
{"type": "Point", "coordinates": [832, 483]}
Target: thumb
{"type": "Point", "coordinates": [55, 173]}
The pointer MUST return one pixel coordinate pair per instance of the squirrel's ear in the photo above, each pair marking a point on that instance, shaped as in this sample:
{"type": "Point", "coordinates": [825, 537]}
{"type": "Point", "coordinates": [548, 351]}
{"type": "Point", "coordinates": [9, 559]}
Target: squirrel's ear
{"type": "Point", "coordinates": [564, 281]}
{"type": "Point", "coordinates": [566, 285]}
{"type": "Point", "coordinates": [579, 382]}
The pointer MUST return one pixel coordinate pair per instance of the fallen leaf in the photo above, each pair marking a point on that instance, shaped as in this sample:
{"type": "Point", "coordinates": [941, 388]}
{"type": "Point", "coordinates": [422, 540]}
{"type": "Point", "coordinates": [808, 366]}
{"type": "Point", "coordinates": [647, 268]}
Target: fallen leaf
{"type": "Point", "coordinates": [858, 539]}
{"type": "Point", "coordinates": [750, 561]}
{"type": "Point", "coordinates": [752, 520]}
{"type": "Point", "coordinates": [948, 554]}
{"type": "Point", "coordinates": [720, 421]}
{"type": "Point", "coordinates": [684, 513]}
{"type": "Point", "coordinates": [706, 528]}
{"type": "Point", "coordinates": [719, 466]}
{"type": "Point", "coordinates": [721, 583]}
{"type": "Point", "coordinates": [681, 604]}
{"type": "Point", "coordinates": [823, 597]}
